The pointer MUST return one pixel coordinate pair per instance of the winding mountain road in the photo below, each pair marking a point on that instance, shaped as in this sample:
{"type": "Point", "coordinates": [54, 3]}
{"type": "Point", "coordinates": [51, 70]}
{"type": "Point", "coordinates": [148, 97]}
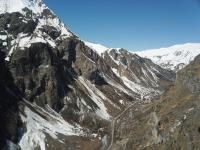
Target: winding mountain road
{"type": "Point", "coordinates": [114, 121]}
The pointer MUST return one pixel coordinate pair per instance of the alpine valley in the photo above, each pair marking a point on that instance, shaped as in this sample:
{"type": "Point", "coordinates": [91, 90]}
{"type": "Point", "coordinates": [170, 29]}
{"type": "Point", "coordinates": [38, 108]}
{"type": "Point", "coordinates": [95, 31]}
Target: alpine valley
{"type": "Point", "coordinates": [58, 92]}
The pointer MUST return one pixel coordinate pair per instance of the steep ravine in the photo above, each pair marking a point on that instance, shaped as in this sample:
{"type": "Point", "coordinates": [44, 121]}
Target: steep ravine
{"type": "Point", "coordinates": [170, 122]}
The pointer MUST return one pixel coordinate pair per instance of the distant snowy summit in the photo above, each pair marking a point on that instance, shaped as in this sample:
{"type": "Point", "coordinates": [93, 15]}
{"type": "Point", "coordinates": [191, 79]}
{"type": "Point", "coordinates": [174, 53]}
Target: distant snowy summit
{"type": "Point", "coordinates": [175, 57]}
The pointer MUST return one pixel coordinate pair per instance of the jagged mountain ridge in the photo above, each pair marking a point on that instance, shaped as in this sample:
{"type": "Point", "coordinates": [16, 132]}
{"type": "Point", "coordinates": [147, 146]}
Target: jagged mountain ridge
{"type": "Point", "coordinates": [68, 92]}
{"type": "Point", "coordinates": [172, 58]}
{"type": "Point", "coordinates": [134, 76]}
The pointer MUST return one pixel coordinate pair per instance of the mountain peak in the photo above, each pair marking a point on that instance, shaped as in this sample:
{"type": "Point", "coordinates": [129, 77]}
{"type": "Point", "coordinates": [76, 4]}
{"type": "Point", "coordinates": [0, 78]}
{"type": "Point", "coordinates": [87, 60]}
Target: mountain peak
{"type": "Point", "coordinates": [35, 16]}
{"type": "Point", "coordinates": [18, 5]}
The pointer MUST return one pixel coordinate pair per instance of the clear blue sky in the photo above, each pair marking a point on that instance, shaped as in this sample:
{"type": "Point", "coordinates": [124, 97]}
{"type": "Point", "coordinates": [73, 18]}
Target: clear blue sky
{"type": "Point", "coordinates": [131, 24]}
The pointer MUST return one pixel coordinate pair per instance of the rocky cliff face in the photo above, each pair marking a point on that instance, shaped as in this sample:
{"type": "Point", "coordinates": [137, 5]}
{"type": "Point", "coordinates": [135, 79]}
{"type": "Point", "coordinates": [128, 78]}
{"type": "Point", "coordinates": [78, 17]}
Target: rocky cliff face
{"type": "Point", "coordinates": [9, 111]}
{"type": "Point", "coordinates": [170, 122]}
{"type": "Point", "coordinates": [140, 75]}
{"type": "Point", "coordinates": [68, 93]}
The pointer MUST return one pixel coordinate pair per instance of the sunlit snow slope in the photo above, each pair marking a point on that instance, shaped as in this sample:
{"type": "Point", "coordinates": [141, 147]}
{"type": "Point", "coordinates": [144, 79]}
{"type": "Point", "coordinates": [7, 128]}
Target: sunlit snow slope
{"type": "Point", "coordinates": [96, 47]}
{"type": "Point", "coordinates": [174, 57]}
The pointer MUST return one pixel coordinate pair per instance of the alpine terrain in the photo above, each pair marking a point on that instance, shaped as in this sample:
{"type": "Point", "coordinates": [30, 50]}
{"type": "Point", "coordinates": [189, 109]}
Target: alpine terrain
{"type": "Point", "coordinates": [59, 92]}
{"type": "Point", "coordinates": [175, 57]}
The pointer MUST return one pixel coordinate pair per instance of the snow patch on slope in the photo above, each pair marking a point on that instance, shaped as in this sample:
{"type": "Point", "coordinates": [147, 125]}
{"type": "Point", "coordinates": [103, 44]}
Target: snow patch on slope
{"type": "Point", "coordinates": [98, 97]}
{"type": "Point", "coordinates": [96, 47]}
{"type": "Point", "coordinates": [37, 127]}
{"type": "Point", "coordinates": [172, 57]}
{"type": "Point", "coordinates": [137, 88]}
{"type": "Point", "coordinates": [23, 41]}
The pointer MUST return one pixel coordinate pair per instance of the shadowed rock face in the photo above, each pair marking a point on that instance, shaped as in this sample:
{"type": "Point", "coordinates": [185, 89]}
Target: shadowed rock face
{"type": "Point", "coordinates": [172, 122]}
{"type": "Point", "coordinates": [17, 25]}
{"type": "Point", "coordinates": [9, 98]}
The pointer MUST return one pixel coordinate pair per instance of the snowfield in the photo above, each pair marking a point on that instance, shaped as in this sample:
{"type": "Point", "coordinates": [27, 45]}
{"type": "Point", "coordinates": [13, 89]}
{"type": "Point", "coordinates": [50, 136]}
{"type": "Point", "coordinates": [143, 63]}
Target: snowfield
{"type": "Point", "coordinates": [17, 5]}
{"type": "Point", "coordinates": [37, 127]}
{"type": "Point", "coordinates": [174, 57]}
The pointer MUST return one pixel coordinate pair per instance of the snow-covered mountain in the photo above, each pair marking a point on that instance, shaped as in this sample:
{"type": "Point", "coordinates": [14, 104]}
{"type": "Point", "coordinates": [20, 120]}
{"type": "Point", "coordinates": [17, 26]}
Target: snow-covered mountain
{"type": "Point", "coordinates": [67, 90]}
{"type": "Point", "coordinates": [37, 16]}
{"type": "Point", "coordinates": [174, 57]}
{"type": "Point", "coordinates": [18, 5]}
